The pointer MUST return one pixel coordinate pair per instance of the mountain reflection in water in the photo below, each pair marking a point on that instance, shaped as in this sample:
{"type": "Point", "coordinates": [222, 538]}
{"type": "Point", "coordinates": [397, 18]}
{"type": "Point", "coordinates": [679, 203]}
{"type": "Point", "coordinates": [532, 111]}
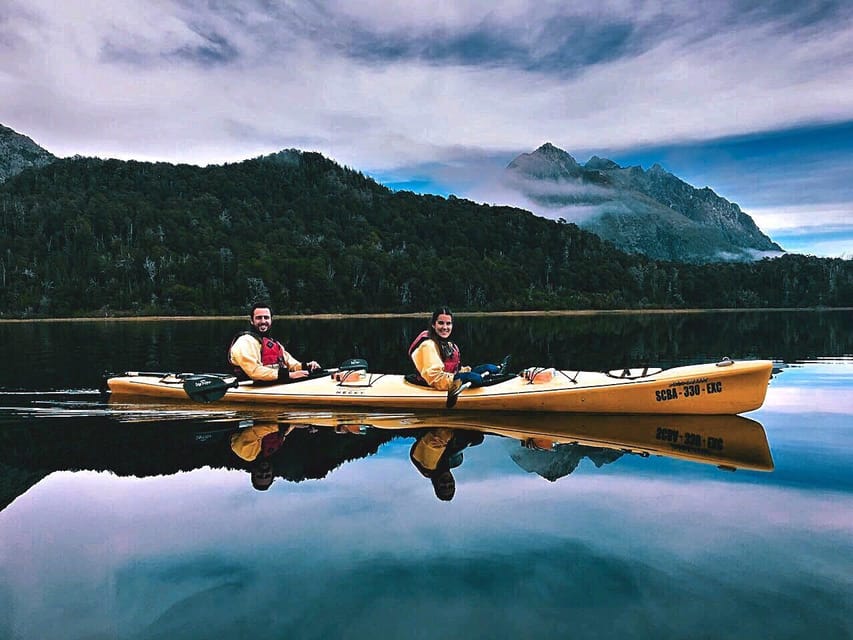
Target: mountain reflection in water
{"type": "Point", "coordinates": [559, 526]}
{"type": "Point", "coordinates": [151, 440]}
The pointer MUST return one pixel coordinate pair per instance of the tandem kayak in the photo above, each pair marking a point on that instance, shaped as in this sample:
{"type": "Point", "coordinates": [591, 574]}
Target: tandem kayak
{"type": "Point", "coordinates": [725, 387]}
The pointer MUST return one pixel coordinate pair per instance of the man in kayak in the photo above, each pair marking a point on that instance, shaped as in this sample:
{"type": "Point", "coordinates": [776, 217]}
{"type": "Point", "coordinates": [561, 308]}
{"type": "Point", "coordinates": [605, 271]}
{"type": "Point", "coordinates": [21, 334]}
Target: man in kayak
{"type": "Point", "coordinates": [438, 360]}
{"type": "Point", "coordinates": [255, 355]}
{"type": "Point", "coordinates": [256, 444]}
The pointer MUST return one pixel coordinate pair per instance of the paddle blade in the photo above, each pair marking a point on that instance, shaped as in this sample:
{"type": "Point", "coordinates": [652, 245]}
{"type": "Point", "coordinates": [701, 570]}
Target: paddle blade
{"type": "Point", "coordinates": [455, 390]}
{"type": "Point", "coordinates": [203, 388]}
{"type": "Point", "coordinates": [503, 367]}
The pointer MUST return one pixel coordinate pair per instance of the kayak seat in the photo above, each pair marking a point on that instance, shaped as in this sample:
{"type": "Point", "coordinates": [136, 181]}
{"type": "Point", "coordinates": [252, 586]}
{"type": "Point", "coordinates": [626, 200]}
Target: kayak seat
{"type": "Point", "coordinates": [414, 378]}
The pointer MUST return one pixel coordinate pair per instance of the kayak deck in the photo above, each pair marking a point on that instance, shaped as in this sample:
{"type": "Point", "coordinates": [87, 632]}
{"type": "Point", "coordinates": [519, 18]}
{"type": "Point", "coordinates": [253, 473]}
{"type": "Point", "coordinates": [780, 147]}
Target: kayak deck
{"type": "Point", "coordinates": [726, 387]}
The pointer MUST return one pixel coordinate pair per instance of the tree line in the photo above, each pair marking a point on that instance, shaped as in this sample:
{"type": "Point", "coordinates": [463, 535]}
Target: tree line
{"type": "Point", "coordinates": [86, 236]}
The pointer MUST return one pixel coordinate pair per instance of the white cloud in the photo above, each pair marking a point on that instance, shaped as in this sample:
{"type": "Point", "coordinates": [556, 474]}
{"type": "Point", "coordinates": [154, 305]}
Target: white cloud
{"type": "Point", "coordinates": [378, 85]}
{"type": "Point", "coordinates": [818, 217]}
{"type": "Point", "coordinates": [380, 115]}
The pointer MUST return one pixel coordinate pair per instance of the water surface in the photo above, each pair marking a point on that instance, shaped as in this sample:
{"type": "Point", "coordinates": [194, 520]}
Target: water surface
{"type": "Point", "coordinates": [124, 520]}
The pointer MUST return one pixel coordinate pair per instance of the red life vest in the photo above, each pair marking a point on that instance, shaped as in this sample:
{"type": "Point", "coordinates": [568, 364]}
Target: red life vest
{"type": "Point", "coordinates": [451, 363]}
{"type": "Point", "coordinates": [272, 352]}
{"type": "Point", "coordinates": [271, 443]}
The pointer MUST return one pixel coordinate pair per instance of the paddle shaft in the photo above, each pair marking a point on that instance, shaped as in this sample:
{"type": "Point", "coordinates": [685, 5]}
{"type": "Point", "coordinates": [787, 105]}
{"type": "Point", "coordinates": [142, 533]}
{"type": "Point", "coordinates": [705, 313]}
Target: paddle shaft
{"type": "Point", "coordinates": [158, 374]}
{"type": "Point", "coordinates": [211, 387]}
{"type": "Point", "coordinates": [453, 394]}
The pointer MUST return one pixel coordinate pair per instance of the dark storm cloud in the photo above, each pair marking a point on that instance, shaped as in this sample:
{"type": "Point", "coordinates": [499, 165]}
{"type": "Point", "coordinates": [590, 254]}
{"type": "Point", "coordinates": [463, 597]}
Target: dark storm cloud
{"type": "Point", "coordinates": [215, 50]}
{"type": "Point", "coordinates": [564, 45]}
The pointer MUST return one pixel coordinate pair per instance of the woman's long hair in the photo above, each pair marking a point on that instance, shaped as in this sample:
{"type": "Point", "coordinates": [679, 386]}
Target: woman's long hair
{"type": "Point", "coordinates": [445, 345]}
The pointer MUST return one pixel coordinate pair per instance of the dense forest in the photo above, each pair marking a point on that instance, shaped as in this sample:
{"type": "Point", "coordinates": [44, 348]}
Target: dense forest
{"type": "Point", "coordinates": [85, 236]}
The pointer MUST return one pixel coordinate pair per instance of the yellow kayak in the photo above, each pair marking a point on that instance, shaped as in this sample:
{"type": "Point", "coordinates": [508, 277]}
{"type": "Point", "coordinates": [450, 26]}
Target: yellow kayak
{"type": "Point", "coordinates": [725, 387]}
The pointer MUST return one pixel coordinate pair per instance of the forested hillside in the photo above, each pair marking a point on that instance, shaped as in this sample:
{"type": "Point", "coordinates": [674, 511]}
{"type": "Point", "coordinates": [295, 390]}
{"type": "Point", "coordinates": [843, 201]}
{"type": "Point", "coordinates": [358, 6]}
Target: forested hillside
{"type": "Point", "coordinates": [86, 236]}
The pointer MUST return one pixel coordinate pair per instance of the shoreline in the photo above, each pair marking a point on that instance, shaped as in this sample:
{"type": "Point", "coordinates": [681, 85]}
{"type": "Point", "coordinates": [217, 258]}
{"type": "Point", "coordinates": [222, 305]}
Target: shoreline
{"type": "Point", "coordinates": [422, 314]}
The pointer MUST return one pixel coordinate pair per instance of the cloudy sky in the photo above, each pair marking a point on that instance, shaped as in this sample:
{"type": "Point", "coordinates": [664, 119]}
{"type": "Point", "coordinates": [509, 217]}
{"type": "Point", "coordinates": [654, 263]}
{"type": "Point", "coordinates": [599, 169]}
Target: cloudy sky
{"type": "Point", "coordinates": [753, 98]}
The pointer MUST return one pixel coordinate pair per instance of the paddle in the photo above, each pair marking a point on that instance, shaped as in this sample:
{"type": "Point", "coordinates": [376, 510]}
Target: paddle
{"type": "Point", "coordinates": [504, 365]}
{"type": "Point", "coordinates": [153, 374]}
{"type": "Point", "coordinates": [456, 389]}
{"type": "Point", "coordinates": [210, 388]}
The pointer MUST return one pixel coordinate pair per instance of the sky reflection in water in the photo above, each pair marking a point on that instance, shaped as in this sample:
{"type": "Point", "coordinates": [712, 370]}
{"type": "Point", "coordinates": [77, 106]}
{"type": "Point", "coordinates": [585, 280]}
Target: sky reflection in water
{"type": "Point", "coordinates": [638, 548]}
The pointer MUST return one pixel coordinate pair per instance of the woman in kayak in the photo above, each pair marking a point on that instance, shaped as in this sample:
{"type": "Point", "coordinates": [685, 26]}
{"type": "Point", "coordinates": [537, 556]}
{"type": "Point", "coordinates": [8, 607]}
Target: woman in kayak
{"type": "Point", "coordinates": [438, 360]}
{"type": "Point", "coordinates": [435, 454]}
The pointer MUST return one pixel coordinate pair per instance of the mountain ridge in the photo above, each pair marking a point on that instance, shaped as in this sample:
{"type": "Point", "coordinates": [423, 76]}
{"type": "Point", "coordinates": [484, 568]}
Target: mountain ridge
{"type": "Point", "coordinates": [88, 236]}
{"type": "Point", "coordinates": [18, 152]}
{"type": "Point", "coordinates": [651, 212]}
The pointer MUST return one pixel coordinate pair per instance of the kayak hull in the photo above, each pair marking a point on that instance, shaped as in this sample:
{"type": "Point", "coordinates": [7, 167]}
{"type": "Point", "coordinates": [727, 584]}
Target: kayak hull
{"type": "Point", "coordinates": [724, 388]}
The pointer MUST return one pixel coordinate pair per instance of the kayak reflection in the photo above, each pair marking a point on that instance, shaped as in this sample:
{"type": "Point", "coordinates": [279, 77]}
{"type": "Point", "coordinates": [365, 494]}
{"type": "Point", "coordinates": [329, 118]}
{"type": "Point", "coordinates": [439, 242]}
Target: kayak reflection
{"type": "Point", "coordinates": [727, 441]}
{"type": "Point", "coordinates": [165, 441]}
{"type": "Point", "coordinates": [127, 440]}
{"type": "Point", "coordinates": [553, 445]}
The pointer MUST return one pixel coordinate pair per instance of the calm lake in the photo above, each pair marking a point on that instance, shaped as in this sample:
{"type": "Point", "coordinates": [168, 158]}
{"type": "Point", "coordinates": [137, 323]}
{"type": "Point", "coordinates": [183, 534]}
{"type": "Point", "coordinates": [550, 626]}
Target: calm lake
{"type": "Point", "coordinates": [140, 520]}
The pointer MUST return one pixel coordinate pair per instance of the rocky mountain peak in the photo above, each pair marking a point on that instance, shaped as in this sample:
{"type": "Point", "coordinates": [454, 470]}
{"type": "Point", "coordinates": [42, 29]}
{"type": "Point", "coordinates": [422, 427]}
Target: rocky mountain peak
{"type": "Point", "coordinates": [550, 149]}
{"type": "Point", "coordinates": [18, 152]}
{"type": "Point", "coordinates": [651, 212]}
{"type": "Point", "coordinates": [595, 164]}
{"type": "Point", "coordinates": [546, 163]}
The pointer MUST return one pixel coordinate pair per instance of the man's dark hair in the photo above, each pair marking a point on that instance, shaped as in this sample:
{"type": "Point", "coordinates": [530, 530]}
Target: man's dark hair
{"type": "Point", "coordinates": [444, 485]}
{"type": "Point", "coordinates": [262, 475]}
{"type": "Point", "coordinates": [261, 304]}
